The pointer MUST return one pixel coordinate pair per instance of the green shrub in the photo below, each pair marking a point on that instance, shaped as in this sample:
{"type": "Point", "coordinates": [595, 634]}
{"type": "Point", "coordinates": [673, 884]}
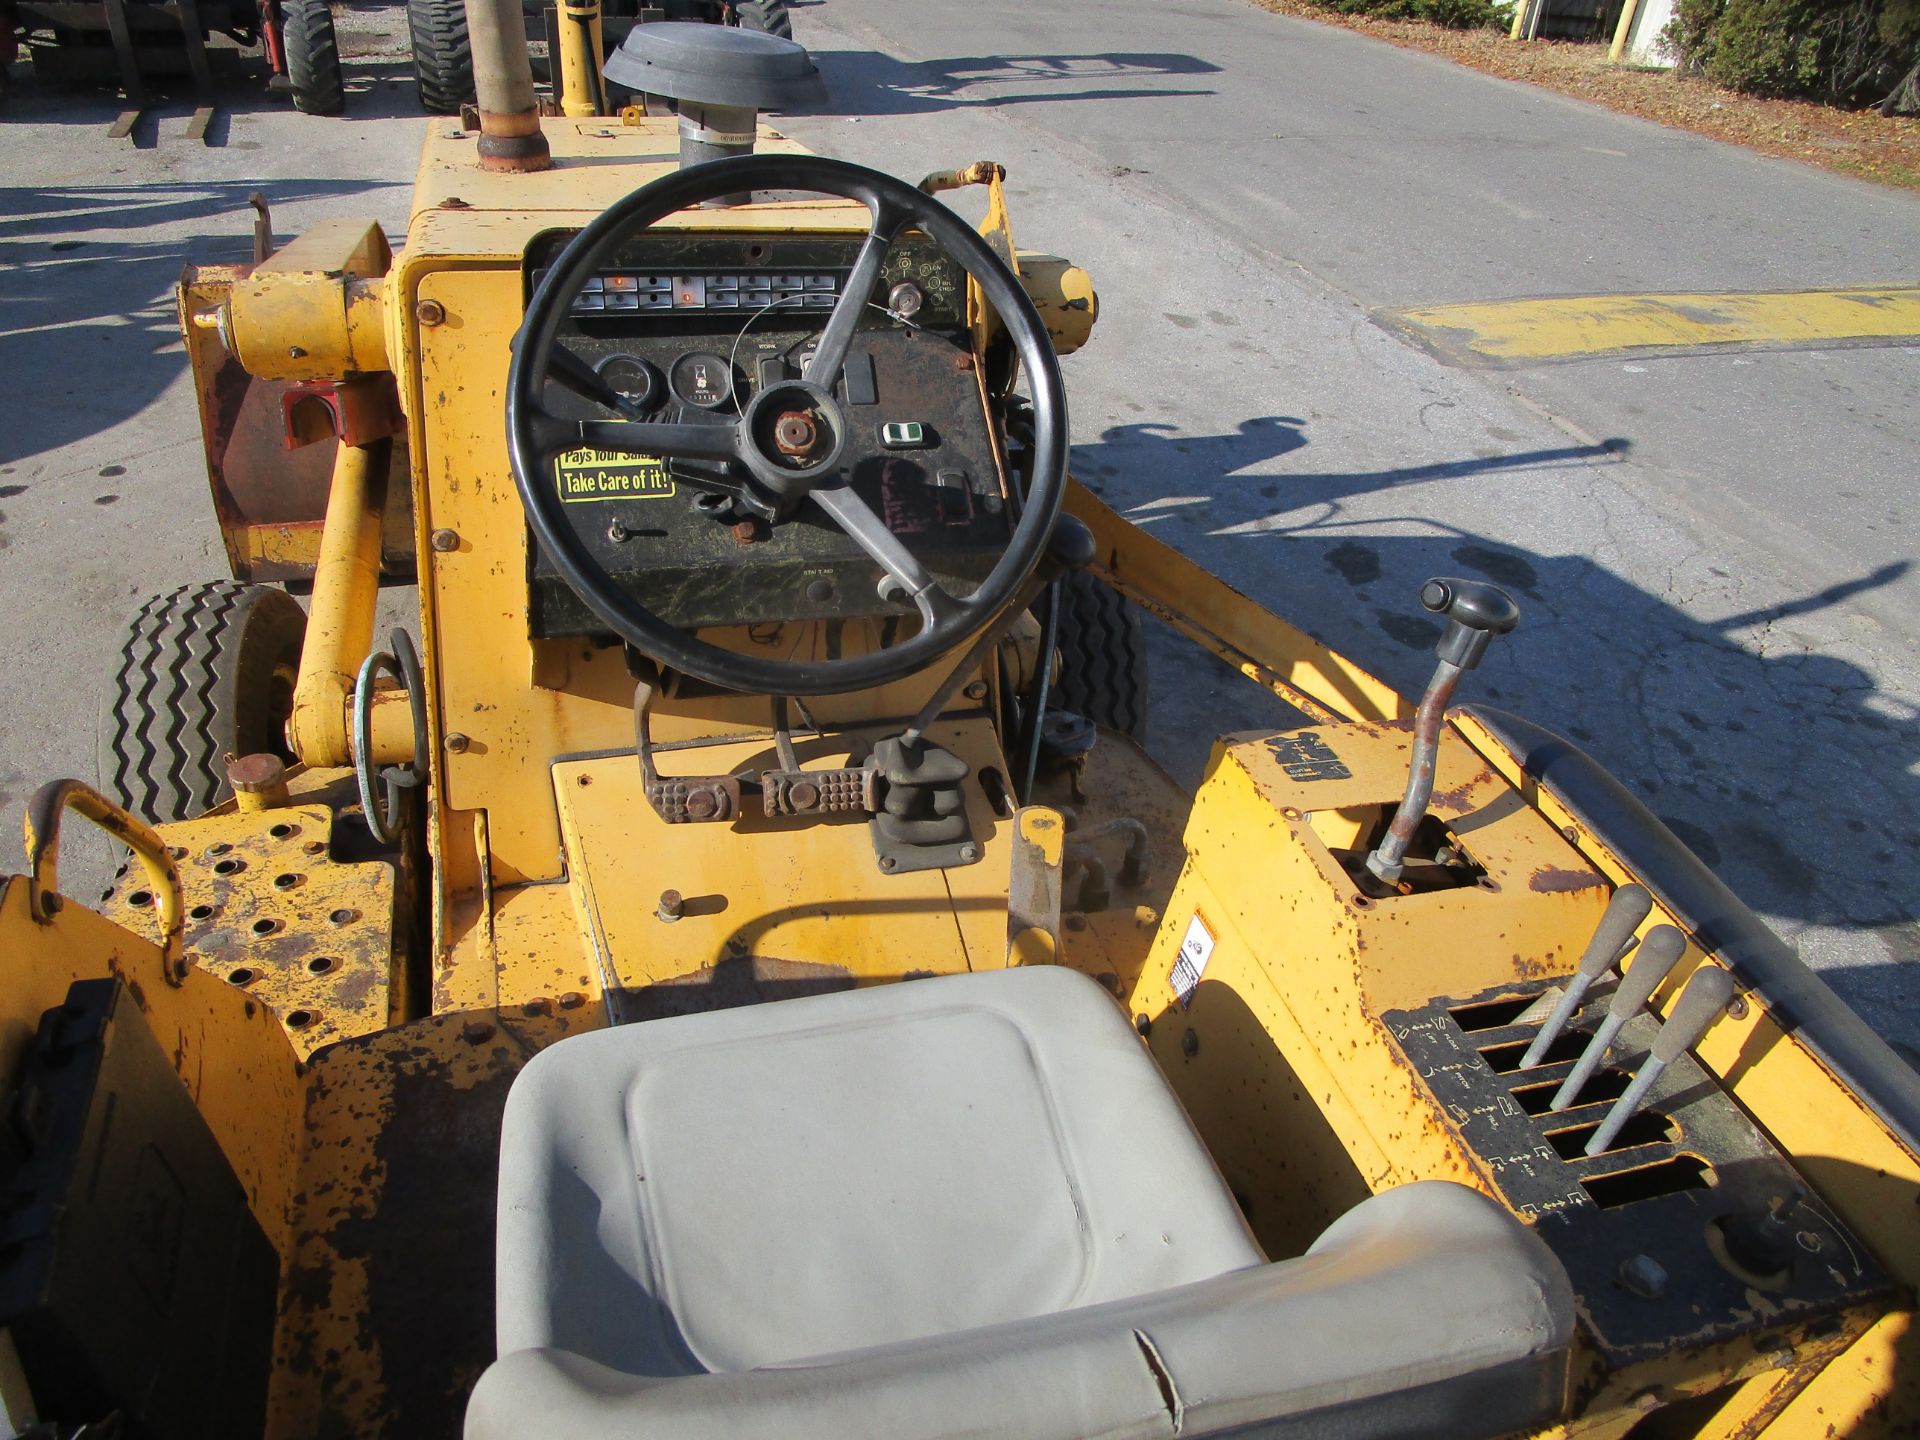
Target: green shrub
{"type": "Point", "coordinates": [1843, 50]}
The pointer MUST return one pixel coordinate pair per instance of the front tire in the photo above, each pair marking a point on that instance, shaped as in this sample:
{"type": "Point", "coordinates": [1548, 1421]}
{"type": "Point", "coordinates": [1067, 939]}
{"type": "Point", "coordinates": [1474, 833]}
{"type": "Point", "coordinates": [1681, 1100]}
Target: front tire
{"type": "Point", "coordinates": [206, 672]}
{"type": "Point", "coordinates": [770, 16]}
{"type": "Point", "coordinates": [1103, 656]}
{"type": "Point", "coordinates": [442, 54]}
{"type": "Point", "coordinates": [313, 57]}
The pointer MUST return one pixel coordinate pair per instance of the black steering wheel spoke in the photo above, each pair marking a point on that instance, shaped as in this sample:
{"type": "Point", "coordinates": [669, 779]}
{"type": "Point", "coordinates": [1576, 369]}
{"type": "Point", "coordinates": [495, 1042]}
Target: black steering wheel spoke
{"type": "Point", "coordinates": [830, 354]}
{"type": "Point", "coordinates": [792, 443]}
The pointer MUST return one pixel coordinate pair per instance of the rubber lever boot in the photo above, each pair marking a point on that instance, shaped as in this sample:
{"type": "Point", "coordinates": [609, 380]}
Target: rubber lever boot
{"type": "Point", "coordinates": [1704, 1001]}
{"type": "Point", "coordinates": [1659, 953]}
{"type": "Point", "coordinates": [1476, 612]}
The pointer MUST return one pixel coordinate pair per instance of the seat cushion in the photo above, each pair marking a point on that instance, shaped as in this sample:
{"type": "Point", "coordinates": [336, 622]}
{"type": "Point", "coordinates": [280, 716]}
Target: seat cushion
{"type": "Point", "coordinates": [718, 1192]}
{"type": "Point", "coordinates": [1426, 1310]}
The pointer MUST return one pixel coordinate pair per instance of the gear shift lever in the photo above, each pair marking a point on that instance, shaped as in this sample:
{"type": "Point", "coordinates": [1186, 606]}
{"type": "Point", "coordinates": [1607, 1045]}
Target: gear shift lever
{"type": "Point", "coordinates": [1476, 612]}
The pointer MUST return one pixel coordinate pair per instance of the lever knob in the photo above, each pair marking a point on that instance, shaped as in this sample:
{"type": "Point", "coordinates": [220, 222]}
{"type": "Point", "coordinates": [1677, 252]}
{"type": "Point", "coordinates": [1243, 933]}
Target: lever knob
{"type": "Point", "coordinates": [1706, 997]}
{"type": "Point", "coordinates": [1659, 953]}
{"type": "Point", "coordinates": [1475, 611]}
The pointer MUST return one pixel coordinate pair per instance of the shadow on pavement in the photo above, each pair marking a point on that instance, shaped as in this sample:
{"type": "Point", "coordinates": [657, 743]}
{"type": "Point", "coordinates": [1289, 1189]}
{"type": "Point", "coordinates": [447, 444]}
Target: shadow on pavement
{"type": "Point", "coordinates": [1786, 769]}
{"type": "Point", "coordinates": [88, 334]}
{"type": "Point", "coordinates": [900, 87]}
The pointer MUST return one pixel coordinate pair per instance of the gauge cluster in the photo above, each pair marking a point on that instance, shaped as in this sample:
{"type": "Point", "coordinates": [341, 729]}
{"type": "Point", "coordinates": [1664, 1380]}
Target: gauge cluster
{"type": "Point", "coordinates": [688, 328]}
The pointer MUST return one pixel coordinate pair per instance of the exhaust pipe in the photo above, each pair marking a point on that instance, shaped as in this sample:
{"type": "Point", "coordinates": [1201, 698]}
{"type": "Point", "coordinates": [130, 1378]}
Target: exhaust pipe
{"type": "Point", "coordinates": [510, 137]}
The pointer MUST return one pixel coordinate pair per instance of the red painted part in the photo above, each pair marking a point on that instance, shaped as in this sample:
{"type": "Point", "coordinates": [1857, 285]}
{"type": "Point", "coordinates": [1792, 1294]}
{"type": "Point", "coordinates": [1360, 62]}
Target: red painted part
{"type": "Point", "coordinates": [270, 44]}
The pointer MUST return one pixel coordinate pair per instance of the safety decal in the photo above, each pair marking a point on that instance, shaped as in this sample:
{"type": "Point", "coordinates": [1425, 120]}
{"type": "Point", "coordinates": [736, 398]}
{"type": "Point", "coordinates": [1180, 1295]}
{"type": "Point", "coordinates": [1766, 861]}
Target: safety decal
{"type": "Point", "coordinates": [1191, 963]}
{"type": "Point", "coordinates": [611, 475]}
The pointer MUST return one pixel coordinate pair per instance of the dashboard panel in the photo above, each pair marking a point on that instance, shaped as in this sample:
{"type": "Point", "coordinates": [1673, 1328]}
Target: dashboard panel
{"type": "Point", "coordinates": [688, 327]}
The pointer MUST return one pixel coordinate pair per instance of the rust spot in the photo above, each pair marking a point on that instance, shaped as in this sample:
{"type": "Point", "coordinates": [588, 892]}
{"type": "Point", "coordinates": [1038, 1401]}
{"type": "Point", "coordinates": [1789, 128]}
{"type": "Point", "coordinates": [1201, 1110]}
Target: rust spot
{"type": "Point", "coordinates": [1554, 880]}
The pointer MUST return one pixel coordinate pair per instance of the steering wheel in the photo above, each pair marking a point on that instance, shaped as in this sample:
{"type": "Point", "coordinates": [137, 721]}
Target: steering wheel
{"type": "Point", "coordinates": [777, 466]}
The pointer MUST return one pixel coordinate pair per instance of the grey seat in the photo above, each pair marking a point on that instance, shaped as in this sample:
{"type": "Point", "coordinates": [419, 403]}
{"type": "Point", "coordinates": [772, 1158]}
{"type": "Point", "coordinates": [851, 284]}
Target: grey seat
{"type": "Point", "coordinates": [963, 1206]}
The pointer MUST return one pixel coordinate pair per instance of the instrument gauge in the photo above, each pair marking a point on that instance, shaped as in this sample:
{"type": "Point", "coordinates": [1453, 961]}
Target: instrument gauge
{"type": "Point", "coordinates": [634, 379]}
{"type": "Point", "coordinates": [702, 379]}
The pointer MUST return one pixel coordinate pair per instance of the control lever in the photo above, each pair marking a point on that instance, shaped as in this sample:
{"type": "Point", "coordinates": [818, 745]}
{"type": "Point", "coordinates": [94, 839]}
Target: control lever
{"type": "Point", "coordinates": [1612, 938]}
{"type": "Point", "coordinates": [1476, 612]}
{"type": "Point", "coordinates": [1703, 1002]}
{"type": "Point", "coordinates": [1659, 953]}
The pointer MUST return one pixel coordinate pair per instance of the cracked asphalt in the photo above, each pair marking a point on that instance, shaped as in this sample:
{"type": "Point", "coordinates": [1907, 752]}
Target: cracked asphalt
{"type": "Point", "coordinates": [1711, 553]}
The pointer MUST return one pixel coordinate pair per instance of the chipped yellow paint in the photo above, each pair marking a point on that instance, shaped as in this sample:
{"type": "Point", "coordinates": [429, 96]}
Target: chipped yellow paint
{"type": "Point", "coordinates": [1520, 332]}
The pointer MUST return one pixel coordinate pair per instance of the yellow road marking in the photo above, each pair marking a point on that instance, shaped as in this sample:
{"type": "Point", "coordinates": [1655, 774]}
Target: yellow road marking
{"type": "Point", "coordinates": [1521, 332]}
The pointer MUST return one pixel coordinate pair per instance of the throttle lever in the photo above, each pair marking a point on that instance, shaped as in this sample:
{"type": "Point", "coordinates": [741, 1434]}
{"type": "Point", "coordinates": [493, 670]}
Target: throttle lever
{"type": "Point", "coordinates": [1476, 612]}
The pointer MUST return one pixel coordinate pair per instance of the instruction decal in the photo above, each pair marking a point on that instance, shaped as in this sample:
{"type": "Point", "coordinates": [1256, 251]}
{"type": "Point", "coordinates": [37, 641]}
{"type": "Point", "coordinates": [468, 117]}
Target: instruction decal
{"type": "Point", "coordinates": [611, 475]}
{"type": "Point", "coordinates": [1191, 963]}
{"type": "Point", "coordinates": [1306, 756]}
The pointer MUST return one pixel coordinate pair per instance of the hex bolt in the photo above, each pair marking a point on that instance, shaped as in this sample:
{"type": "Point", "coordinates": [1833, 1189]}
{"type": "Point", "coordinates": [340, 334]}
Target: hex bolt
{"type": "Point", "coordinates": [745, 532]}
{"type": "Point", "coordinates": [976, 691]}
{"type": "Point", "coordinates": [430, 313]}
{"type": "Point", "coordinates": [444, 540]}
{"type": "Point", "coordinates": [457, 743]}
{"type": "Point", "coordinates": [969, 853]}
{"type": "Point", "coordinates": [672, 907]}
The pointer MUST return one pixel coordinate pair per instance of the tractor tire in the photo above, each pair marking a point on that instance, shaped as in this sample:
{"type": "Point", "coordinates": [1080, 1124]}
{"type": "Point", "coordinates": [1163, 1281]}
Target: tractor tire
{"type": "Point", "coordinates": [206, 672]}
{"type": "Point", "coordinates": [442, 54]}
{"type": "Point", "coordinates": [1103, 656]}
{"type": "Point", "coordinates": [769, 16]}
{"type": "Point", "coordinates": [313, 57]}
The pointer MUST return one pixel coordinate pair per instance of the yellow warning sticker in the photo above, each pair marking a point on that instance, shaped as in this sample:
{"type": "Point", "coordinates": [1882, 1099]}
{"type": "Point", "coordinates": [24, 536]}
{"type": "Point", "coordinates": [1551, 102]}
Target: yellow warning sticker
{"type": "Point", "coordinates": [611, 475]}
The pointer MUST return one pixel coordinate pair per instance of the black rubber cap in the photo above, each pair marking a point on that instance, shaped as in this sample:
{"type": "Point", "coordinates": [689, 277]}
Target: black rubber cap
{"type": "Point", "coordinates": [1071, 546]}
{"type": "Point", "coordinates": [716, 65]}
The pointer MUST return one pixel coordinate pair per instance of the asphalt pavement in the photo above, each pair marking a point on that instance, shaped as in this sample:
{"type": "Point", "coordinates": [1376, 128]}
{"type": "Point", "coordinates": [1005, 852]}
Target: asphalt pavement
{"type": "Point", "coordinates": [1710, 551]}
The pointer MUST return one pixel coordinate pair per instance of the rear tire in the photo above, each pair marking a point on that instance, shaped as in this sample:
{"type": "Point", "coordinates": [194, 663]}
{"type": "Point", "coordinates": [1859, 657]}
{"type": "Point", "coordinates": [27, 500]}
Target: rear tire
{"type": "Point", "coordinates": [1103, 656]}
{"type": "Point", "coordinates": [206, 671]}
{"type": "Point", "coordinates": [442, 54]}
{"type": "Point", "coordinates": [770, 16]}
{"type": "Point", "coordinates": [313, 57]}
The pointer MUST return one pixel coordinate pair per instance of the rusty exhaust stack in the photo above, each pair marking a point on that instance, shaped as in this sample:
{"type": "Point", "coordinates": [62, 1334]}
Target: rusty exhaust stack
{"type": "Point", "coordinates": [510, 137]}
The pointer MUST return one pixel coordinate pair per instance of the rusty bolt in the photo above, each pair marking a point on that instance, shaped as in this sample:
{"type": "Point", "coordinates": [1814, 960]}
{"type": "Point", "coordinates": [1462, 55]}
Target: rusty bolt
{"type": "Point", "coordinates": [672, 907]}
{"type": "Point", "coordinates": [476, 1032]}
{"type": "Point", "coordinates": [963, 361]}
{"type": "Point", "coordinates": [444, 540]}
{"type": "Point", "coordinates": [803, 794]}
{"type": "Point", "coordinates": [745, 531]}
{"type": "Point", "coordinates": [976, 691]}
{"type": "Point", "coordinates": [703, 804]}
{"type": "Point", "coordinates": [794, 433]}
{"type": "Point", "coordinates": [458, 743]}
{"type": "Point", "coordinates": [430, 313]}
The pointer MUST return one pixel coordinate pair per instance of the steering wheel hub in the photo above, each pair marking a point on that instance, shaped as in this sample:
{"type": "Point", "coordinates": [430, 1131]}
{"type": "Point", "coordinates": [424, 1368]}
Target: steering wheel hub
{"type": "Point", "coordinates": [794, 433]}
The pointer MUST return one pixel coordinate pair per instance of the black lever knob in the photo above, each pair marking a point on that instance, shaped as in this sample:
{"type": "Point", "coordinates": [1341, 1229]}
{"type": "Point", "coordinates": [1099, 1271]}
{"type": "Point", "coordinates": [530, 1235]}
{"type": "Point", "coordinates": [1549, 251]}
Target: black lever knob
{"type": "Point", "coordinates": [1475, 611]}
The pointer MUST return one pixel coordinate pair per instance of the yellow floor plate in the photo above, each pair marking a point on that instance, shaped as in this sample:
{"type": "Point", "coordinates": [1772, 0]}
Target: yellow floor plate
{"type": "Point", "coordinates": [1528, 332]}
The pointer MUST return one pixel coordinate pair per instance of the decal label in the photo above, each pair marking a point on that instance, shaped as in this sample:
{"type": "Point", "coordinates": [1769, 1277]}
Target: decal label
{"type": "Point", "coordinates": [1307, 757]}
{"type": "Point", "coordinates": [1191, 963]}
{"type": "Point", "coordinates": [611, 475]}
